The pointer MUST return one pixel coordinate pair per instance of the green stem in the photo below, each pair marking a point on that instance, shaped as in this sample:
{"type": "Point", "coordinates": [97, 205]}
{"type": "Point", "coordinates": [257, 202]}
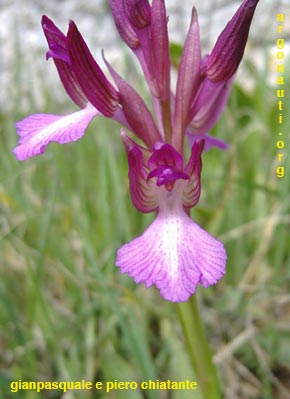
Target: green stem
{"type": "Point", "coordinates": [198, 349]}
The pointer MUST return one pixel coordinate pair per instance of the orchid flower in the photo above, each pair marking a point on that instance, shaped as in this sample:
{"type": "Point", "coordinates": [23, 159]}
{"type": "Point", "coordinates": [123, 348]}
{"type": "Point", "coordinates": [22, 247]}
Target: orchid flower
{"type": "Point", "coordinates": [174, 253]}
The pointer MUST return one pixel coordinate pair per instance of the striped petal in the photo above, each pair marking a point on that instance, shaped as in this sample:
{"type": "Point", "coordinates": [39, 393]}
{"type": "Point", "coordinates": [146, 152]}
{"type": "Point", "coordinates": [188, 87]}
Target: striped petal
{"type": "Point", "coordinates": [192, 189]}
{"type": "Point", "coordinates": [142, 191]}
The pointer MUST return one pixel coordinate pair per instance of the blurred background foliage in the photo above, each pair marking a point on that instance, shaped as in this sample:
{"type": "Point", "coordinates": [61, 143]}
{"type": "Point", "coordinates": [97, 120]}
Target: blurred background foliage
{"type": "Point", "coordinates": [67, 314]}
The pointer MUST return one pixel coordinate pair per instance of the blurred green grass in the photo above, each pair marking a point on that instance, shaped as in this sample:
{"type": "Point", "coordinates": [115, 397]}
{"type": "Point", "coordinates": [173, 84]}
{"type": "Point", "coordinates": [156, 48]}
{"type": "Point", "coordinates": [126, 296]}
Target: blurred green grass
{"type": "Point", "coordinates": [65, 311]}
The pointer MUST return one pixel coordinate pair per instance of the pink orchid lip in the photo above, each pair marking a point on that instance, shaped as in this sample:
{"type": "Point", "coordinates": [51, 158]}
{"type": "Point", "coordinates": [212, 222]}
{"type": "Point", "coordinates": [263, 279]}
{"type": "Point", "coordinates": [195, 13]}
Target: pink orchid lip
{"type": "Point", "coordinates": [175, 255]}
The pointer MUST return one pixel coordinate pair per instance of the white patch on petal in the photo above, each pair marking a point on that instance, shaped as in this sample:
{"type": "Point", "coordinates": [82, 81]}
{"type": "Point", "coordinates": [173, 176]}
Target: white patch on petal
{"type": "Point", "coordinates": [175, 254]}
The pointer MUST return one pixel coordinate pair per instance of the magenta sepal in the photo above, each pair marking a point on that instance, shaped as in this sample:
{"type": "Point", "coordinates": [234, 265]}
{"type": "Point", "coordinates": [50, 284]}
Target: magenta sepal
{"type": "Point", "coordinates": [143, 192]}
{"type": "Point", "coordinates": [208, 105]}
{"type": "Point", "coordinates": [91, 78]}
{"type": "Point", "coordinates": [188, 79]}
{"type": "Point", "coordinates": [57, 43]}
{"type": "Point", "coordinates": [80, 74]}
{"type": "Point", "coordinates": [160, 48]}
{"type": "Point", "coordinates": [130, 143]}
{"type": "Point", "coordinates": [138, 12]}
{"type": "Point", "coordinates": [230, 45]}
{"type": "Point", "coordinates": [123, 24]}
{"type": "Point", "coordinates": [192, 189]}
{"type": "Point", "coordinates": [136, 112]}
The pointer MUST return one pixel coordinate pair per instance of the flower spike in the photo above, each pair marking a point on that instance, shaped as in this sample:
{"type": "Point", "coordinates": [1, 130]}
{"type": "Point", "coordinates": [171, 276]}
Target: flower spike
{"type": "Point", "coordinates": [174, 253]}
